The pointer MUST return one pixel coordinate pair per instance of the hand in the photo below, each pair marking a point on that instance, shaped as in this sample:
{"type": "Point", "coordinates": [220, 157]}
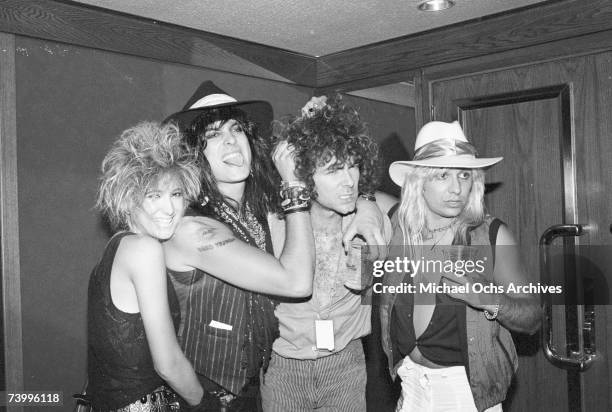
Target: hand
{"type": "Point", "coordinates": [209, 403]}
{"type": "Point", "coordinates": [284, 161]}
{"type": "Point", "coordinates": [480, 293]}
{"type": "Point", "coordinates": [369, 224]}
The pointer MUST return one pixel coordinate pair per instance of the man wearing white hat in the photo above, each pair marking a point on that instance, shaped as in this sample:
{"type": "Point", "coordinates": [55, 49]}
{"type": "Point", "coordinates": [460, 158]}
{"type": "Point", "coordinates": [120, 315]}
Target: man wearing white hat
{"type": "Point", "coordinates": [448, 342]}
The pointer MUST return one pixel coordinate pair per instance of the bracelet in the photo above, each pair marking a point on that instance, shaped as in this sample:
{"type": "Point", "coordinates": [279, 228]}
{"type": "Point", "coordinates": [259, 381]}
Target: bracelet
{"type": "Point", "coordinates": [296, 209]}
{"type": "Point", "coordinates": [368, 196]}
{"type": "Point", "coordinates": [295, 197]}
{"type": "Point", "coordinates": [492, 316]}
{"type": "Point", "coordinates": [292, 183]}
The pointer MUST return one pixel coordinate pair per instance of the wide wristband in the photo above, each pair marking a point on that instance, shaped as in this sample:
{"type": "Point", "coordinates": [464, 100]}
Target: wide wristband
{"type": "Point", "coordinates": [492, 316]}
{"type": "Point", "coordinates": [295, 197]}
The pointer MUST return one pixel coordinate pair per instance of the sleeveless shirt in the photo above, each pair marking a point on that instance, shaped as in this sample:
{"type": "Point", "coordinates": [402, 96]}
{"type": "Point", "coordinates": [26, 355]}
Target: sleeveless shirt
{"type": "Point", "coordinates": [120, 366]}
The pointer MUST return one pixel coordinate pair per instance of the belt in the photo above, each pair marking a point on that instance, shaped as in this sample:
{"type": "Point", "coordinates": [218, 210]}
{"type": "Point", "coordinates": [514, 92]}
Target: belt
{"type": "Point", "coordinates": [161, 399]}
{"type": "Point", "coordinates": [225, 398]}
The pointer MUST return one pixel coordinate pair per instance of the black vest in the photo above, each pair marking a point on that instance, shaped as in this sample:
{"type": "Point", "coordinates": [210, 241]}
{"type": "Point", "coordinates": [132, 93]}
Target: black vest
{"type": "Point", "coordinates": [228, 357]}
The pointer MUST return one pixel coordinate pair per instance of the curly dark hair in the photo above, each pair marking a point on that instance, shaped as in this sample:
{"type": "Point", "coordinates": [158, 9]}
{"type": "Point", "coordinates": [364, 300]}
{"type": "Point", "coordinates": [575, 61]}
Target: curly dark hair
{"type": "Point", "coordinates": [260, 191]}
{"type": "Point", "coordinates": [335, 130]}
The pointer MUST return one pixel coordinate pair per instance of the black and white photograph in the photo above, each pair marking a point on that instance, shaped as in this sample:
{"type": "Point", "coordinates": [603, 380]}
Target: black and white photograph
{"type": "Point", "coordinates": [295, 206]}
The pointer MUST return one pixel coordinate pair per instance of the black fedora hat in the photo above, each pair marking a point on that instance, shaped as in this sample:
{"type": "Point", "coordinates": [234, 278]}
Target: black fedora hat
{"type": "Point", "coordinates": [208, 96]}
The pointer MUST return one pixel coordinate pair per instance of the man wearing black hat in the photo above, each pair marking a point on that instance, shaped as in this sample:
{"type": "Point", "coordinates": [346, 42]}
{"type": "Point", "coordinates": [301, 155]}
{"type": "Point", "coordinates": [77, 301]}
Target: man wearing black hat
{"type": "Point", "coordinates": [227, 329]}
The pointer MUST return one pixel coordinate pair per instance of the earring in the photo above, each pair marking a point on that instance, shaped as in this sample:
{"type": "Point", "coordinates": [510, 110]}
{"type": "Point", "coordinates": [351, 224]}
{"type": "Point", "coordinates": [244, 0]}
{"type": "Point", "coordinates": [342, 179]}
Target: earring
{"type": "Point", "coordinates": [205, 201]}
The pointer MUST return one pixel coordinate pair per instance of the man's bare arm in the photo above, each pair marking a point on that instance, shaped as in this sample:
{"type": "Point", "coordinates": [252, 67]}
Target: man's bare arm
{"type": "Point", "coordinates": [203, 243]}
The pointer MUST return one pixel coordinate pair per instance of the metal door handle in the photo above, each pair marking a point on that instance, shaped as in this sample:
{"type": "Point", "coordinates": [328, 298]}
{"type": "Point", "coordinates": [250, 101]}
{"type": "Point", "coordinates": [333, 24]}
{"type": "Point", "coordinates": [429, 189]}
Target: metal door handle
{"type": "Point", "coordinates": [582, 358]}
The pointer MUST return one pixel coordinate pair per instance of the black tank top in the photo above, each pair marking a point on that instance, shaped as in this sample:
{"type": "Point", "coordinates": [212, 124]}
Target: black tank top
{"type": "Point", "coordinates": [120, 366]}
{"type": "Point", "coordinates": [440, 342]}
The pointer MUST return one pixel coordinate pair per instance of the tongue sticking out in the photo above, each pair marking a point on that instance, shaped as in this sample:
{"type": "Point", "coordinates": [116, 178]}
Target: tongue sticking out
{"type": "Point", "coordinates": [234, 159]}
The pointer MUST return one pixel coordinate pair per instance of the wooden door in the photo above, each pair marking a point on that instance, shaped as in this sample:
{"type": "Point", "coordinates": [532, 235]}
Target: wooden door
{"type": "Point", "coordinates": [552, 122]}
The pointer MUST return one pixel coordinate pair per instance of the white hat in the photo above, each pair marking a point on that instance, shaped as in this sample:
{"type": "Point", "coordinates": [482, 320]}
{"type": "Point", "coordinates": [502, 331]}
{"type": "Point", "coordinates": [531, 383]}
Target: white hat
{"type": "Point", "coordinates": [441, 144]}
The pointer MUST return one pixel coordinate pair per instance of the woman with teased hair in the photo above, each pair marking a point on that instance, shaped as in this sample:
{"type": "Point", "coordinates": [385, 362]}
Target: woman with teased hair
{"type": "Point", "coordinates": [148, 179]}
{"type": "Point", "coordinates": [447, 339]}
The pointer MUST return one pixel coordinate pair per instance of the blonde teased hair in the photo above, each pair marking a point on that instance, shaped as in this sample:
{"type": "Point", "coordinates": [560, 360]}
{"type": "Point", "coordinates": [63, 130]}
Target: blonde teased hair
{"type": "Point", "coordinates": [137, 160]}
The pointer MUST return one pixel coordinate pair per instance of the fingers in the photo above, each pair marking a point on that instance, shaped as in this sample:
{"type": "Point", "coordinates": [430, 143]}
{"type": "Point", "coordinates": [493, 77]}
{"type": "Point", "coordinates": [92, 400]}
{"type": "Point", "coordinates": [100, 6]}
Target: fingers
{"type": "Point", "coordinates": [349, 234]}
{"type": "Point", "coordinates": [382, 250]}
{"type": "Point", "coordinates": [283, 157]}
{"type": "Point", "coordinates": [280, 150]}
{"type": "Point", "coordinates": [377, 247]}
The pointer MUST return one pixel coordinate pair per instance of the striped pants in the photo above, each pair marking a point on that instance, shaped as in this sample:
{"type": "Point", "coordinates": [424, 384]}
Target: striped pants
{"type": "Point", "coordinates": [332, 383]}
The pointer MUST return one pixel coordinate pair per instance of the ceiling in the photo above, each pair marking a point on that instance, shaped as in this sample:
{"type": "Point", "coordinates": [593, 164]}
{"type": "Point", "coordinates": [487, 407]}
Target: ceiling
{"type": "Point", "coordinates": [310, 27]}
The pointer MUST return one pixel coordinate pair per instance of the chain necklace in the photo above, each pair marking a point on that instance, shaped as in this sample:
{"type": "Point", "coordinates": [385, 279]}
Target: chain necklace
{"type": "Point", "coordinates": [440, 239]}
{"type": "Point", "coordinates": [239, 223]}
{"type": "Point", "coordinates": [430, 232]}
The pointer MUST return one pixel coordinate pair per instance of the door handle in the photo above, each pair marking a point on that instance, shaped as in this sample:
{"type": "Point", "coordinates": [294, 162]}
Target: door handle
{"type": "Point", "coordinates": [582, 358]}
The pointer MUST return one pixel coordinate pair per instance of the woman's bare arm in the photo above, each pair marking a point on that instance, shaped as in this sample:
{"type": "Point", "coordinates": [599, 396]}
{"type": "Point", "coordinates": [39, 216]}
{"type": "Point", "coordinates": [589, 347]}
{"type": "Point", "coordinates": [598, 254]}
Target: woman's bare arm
{"type": "Point", "coordinates": [141, 259]}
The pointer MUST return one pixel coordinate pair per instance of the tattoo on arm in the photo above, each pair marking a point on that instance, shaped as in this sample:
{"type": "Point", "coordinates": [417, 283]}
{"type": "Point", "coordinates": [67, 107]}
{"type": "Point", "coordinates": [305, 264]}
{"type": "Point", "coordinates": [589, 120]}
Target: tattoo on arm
{"type": "Point", "coordinates": [210, 246]}
{"type": "Point", "coordinates": [225, 242]}
{"type": "Point", "coordinates": [212, 236]}
{"type": "Point", "coordinates": [208, 232]}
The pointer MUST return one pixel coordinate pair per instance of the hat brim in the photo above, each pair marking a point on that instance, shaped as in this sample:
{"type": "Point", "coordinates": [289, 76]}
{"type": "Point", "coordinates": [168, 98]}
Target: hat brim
{"type": "Point", "coordinates": [258, 111]}
{"type": "Point", "coordinates": [397, 170]}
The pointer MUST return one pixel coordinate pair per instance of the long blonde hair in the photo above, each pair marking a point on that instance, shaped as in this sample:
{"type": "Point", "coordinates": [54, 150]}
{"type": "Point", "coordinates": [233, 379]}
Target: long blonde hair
{"type": "Point", "coordinates": [412, 208]}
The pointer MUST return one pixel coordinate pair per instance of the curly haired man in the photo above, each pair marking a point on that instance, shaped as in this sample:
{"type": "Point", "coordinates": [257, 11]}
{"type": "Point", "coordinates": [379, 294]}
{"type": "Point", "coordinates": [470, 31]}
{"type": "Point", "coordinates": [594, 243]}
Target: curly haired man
{"type": "Point", "coordinates": [318, 360]}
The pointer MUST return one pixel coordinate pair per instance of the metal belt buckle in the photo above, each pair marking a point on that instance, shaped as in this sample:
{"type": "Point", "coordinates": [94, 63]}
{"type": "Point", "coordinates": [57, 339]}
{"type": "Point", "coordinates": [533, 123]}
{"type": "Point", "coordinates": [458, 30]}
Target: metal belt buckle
{"type": "Point", "coordinates": [165, 400]}
{"type": "Point", "coordinates": [224, 397]}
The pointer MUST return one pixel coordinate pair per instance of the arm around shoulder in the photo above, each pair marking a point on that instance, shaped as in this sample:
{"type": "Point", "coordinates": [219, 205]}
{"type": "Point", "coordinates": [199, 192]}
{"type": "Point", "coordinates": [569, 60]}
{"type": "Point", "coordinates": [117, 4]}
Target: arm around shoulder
{"type": "Point", "coordinates": [372, 224]}
{"type": "Point", "coordinates": [210, 246]}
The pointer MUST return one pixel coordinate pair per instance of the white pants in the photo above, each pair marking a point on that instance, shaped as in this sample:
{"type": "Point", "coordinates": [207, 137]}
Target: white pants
{"type": "Point", "coordinates": [435, 390]}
